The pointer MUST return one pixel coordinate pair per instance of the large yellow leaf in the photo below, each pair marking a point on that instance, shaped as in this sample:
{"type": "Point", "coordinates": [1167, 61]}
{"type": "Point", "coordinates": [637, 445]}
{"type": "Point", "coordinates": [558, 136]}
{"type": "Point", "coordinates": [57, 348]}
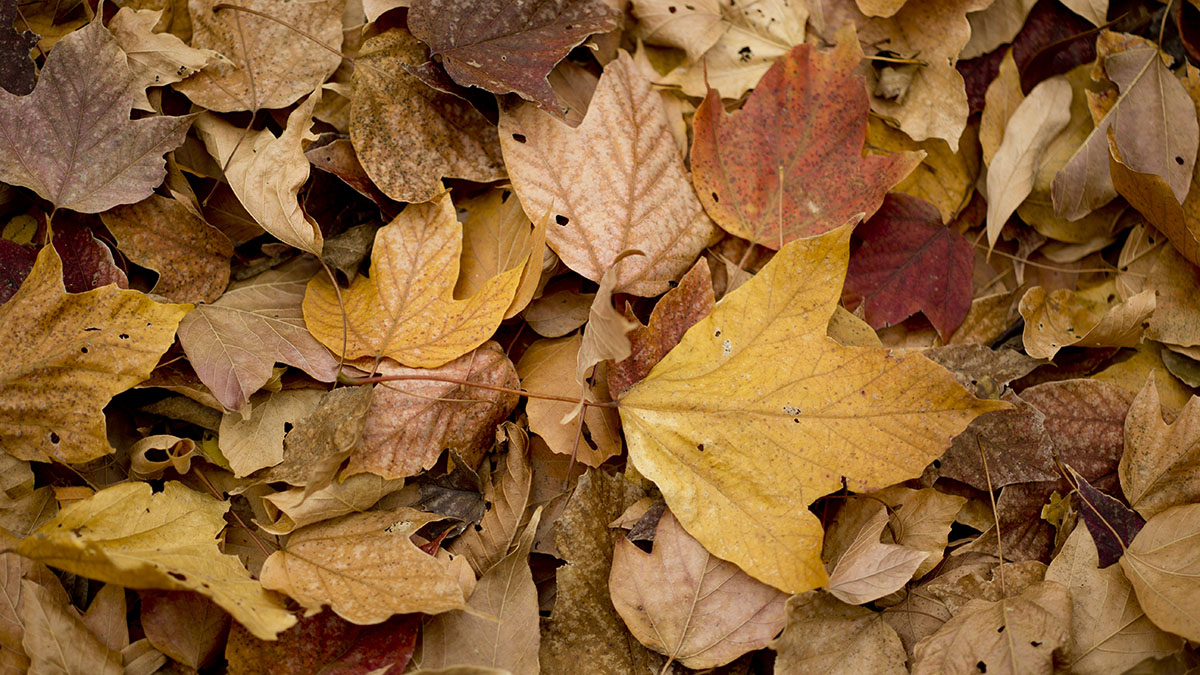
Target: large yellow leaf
{"type": "Point", "coordinates": [126, 535]}
{"type": "Point", "coordinates": [66, 355]}
{"type": "Point", "coordinates": [756, 413]}
{"type": "Point", "coordinates": [406, 310]}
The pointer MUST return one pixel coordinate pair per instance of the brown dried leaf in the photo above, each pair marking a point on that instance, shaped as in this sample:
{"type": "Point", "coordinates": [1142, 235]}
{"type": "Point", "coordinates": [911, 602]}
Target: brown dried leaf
{"type": "Point", "coordinates": [156, 59]}
{"type": "Point", "coordinates": [1162, 564]}
{"type": "Point", "coordinates": [186, 626]}
{"type": "Point", "coordinates": [56, 639]}
{"type": "Point", "coordinates": [1160, 467]}
{"type": "Point", "coordinates": [255, 441]}
{"type": "Point", "coordinates": [508, 491]}
{"type": "Point", "coordinates": [826, 635]}
{"type": "Point", "coordinates": [1065, 318]}
{"type": "Point", "coordinates": [868, 569]}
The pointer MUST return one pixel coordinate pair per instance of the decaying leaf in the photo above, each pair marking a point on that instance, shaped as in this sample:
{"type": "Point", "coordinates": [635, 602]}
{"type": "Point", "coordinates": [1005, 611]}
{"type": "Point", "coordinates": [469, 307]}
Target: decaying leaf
{"type": "Point", "coordinates": [157, 59]}
{"type": "Point", "coordinates": [57, 639]}
{"type": "Point", "coordinates": [1064, 318]}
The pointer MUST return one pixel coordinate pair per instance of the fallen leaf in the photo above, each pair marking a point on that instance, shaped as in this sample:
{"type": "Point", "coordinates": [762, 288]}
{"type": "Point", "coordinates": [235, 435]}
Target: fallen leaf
{"type": "Point", "coordinates": [826, 635]}
{"type": "Point", "coordinates": [1065, 318]}
{"type": "Point", "coordinates": [694, 27]}
{"type": "Point", "coordinates": [604, 336]}
{"type": "Point", "coordinates": [234, 342]}
{"type": "Point", "coordinates": [945, 179]}
{"type": "Point", "coordinates": [509, 49]}
{"type": "Point", "coordinates": [508, 491]}
{"type": "Point", "coordinates": [1111, 524]}
{"type": "Point", "coordinates": [156, 59]}
{"type": "Point", "coordinates": [256, 442]}
{"type": "Point", "coordinates": [408, 136]}
{"type": "Point", "coordinates": [868, 569]}
{"type": "Point", "coordinates": [406, 309]}
{"type": "Point", "coordinates": [1173, 279]}
{"type": "Point", "coordinates": [1162, 564]}
{"type": "Point", "coordinates": [1159, 466]}
{"type": "Point", "coordinates": [561, 309]}
{"type": "Point", "coordinates": [816, 397]}
{"type": "Point", "coordinates": [58, 641]}
{"type": "Point", "coordinates": [313, 451]}
{"type": "Point", "coordinates": [772, 183]}
{"type": "Point", "coordinates": [995, 25]}
{"type": "Point", "coordinates": [16, 570]}
{"type": "Point", "coordinates": [496, 238]}
{"type": "Point", "coordinates": [1025, 633]}
{"type": "Point", "coordinates": [364, 567]}
{"type": "Point", "coordinates": [920, 520]}
{"type": "Point", "coordinates": [160, 234]}
{"type": "Point", "coordinates": [910, 263]}
{"type": "Point", "coordinates": [184, 625]}
{"type": "Point", "coordinates": [682, 601]}
{"type": "Point", "coordinates": [502, 632]}
{"type": "Point", "coordinates": [266, 65]}
{"type": "Point", "coordinates": [266, 173]}
{"type": "Point", "coordinates": [18, 73]}
{"type": "Point", "coordinates": [68, 355]}
{"type": "Point", "coordinates": [1095, 11]}
{"type": "Point", "coordinates": [300, 507]}
{"type": "Point", "coordinates": [1033, 125]}
{"type": "Point", "coordinates": [170, 545]}
{"type": "Point", "coordinates": [71, 140]}
{"type": "Point", "coordinates": [1017, 447]}
{"type": "Point", "coordinates": [559, 170]}
{"type": "Point", "coordinates": [410, 423]}
{"type": "Point", "coordinates": [326, 642]}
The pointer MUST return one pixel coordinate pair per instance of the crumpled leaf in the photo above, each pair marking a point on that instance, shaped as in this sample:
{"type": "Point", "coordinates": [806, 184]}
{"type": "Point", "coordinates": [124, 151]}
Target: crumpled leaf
{"type": "Point", "coordinates": [920, 520]}
{"type": "Point", "coordinates": [1162, 564]}
{"type": "Point", "coordinates": [299, 507]}
{"type": "Point", "coordinates": [761, 363]}
{"type": "Point", "coordinates": [67, 355]}
{"type": "Point", "coordinates": [1160, 467]}
{"type": "Point", "coordinates": [869, 569]}
{"type": "Point", "coordinates": [18, 74]}
{"type": "Point", "coordinates": [406, 309]}
{"type": "Point", "coordinates": [266, 64]}
{"type": "Point", "coordinates": [234, 342]}
{"type": "Point", "coordinates": [266, 173]}
{"type": "Point", "coordinates": [945, 179]}
{"type": "Point", "coordinates": [825, 635]}
{"type": "Point", "coordinates": [623, 143]}
{"type": "Point", "coordinates": [407, 135]}
{"type": "Point", "coordinates": [156, 59]}
{"type": "Point", "coordinates": [365, 567]}
{"type": "Point", "coordinates": [684, 602]}
{"type": "Point", "coordinates": [1065, 318]}
{"type": "Point", "coordinates": [410, 423]}
{"type": "Point", "coordinates": [170, 544]}
{"type": "Point", "coordinates": [315, 448]}
{"type": "Point", "coordinates": [71, 140]}
{"type": "Point", "coordinates": [771, 182]}
{"type": "Point", "coordinates": [910, 263]}
{"type": "Point", "coordinates": [510, 48]}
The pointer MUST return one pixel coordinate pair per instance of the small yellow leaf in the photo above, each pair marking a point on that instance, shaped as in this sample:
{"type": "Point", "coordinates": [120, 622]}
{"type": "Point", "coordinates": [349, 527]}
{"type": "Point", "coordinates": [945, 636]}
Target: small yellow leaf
{"type": "Point", "coordinates": [126, 535]}
{"type": "Point", "coordinates": [66, 355]}
{"type": "Point", "coordinates": [756, 413]}
{"type": "Point", "coordinates": [406, 309]}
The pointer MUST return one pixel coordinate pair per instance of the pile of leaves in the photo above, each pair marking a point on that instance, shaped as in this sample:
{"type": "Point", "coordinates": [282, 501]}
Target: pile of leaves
{"type": "Point", "coordinates": [617, 336]}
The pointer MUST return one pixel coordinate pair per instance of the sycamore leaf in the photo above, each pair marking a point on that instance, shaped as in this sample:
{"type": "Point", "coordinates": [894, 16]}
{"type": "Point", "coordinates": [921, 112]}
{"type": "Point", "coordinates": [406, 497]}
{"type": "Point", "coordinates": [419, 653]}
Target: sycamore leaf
{"type": "Point", "coordinates": [57, 640]}
{"type": "Point", "coordinates": [18, 74]}
{"type": "Point", "coordinates": [910, 263]}
{"type": "Point", "coordinates": [614, 183]}
{"type": "Point", "coordinates": [1035, 122]}
{"type": "Point", "coordinates": [684, 602]}
{"type": "Point", "coordinates": [772, 182]}
{"type": "Point", "coordinates": [503, 632]}
{"type": "Point", "coordinates": [365, 567]}
{"type": "Point", "coordinates": [1026, 633]}
{"type": "Point", "coordinates": [1065, 318]}
{"type": "Point", "coordinates": [126, 535]}
{"type": "Point", "coordinates": [508, 48]}
{"type": "Point", "coordinates": [798, 414]}
{"type": "Point", "coordinates": [407, 135]}
{"type": "Point", "coordinates": [1109, 631]}
{"type": "Point", "coordinates": [406, 309]}
{"type": "Point", "coordinates": [266, 64]}
{"type": "Point", "coordinates": [71, 140]}
{"type": "Point", "coordinates": [825, 635]}
{"type": "Point", "coordinates": [1160, 467]}
{"type": "Point", "coordinates": [156, 59]}
{"type": "Point", "coordinates": [1162, 564]}
{"type": "Point", "coordinates": [869, 569]}
{"type": "Point", "coordinates": [67, 355]}
{"type": "Point", "coordinates": [266, 173]}
{"type": "Point", "coordinates": [234, 342]}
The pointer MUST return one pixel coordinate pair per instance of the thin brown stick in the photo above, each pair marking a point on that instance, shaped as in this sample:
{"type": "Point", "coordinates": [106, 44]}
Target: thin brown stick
{"type": "Point", "coordinates": [995, 515]}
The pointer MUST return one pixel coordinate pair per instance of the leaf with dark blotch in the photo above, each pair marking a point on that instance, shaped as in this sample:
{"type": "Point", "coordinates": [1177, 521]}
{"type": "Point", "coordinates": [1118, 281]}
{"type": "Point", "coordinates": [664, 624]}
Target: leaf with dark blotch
{"type": "Point", "coordinates": [909, 262]}
{"type": "Point", "coordinates": [1113, 525]}
{"type": "Point", "coordinates": [510, 46]}
{"type": "Point", "coordinates": [17, 71]}
{"type": "Point", "coordinates": [71, 140]}
{"type": "Point", "coordinates": [789, 164]}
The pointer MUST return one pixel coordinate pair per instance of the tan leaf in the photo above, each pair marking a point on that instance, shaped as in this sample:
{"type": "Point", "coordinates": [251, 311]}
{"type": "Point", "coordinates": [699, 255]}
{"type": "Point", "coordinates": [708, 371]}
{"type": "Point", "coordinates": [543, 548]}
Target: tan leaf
{"type": "Point", "coordinates": [15, 570]}
{"type": "Point", "coordinates": [266, 173]}
{"type": "Point", "coordinates": [508, 491]}
{"type": "Point", "coordinates": [407, 135]}
{"type": "Point", "coordinates": [1095, 11]}
{"type": "Point", "coordinates": [256, 442]}
{"type": "Point", "coordinates": [945, 179]}
{"type": "Point", "coordinates": [56, 639]}
{"type": "Point", "coordinates": [1023, 634]}
{"type": "Point", "coordinates": [1109, 631]}
{"type": "Point", "coordinates": [503, 631]}
{"type": "Point", "coordinates": [105, 617]}
{"type": "Point", "coordinates": [824, 635]}
{"type": "Point", "coordinates": [1033, 125]}
{"type": "Point", "coordinates": [693, 27]}
{"type": "Point", "coordinates": [869, 569]}
{"type": "Point", "coordinates": [1000, 101]}
{"type": "Point", "coordinates": [1161, 464]}
{"type": "Point", "coordinates": [313, 451]}
{"type": "Point", "coordinates": [681, 601]}
{"type": "Point", "coordinates": [156, 59]}
{"type": "Point", "coordinates": [190, 256]}
{"type": "Point", "coordinates": [1174, 280]}
{"type": "Point", "coordinates": [1161, 565]}
{"type": "Point", "coordinates": [300, 507]}
{"type": "Point", "coordinates": [604, 335]}
{"type": "Point", "coordinates": [171, 544]}
{"type": "Point", "coordinates": [365, 567]}
{"type": "Point", "coordinates": [602, 180]}
{"type": "Point", "coordinates": [67, 354]}
{"type": "Point", "coordinates": [921, 520]}
{"type": "Point", "coordinates": [410, 423]}
{"type": "Point", "coordinates": [995, 26]}
{"type": "Point", "coordinates": [1065, 318]}
{"type": "Point", "coordinates": [406, 309]}
{"type": "Point", "coordinates": [496, 238]}
{"type": "Point", "coordinates": [267, 65]}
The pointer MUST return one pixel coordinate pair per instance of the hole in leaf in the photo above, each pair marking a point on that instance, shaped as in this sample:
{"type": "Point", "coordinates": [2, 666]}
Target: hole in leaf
{"type": "Point", "coordinates": [562, 220]}
{"type": "Point", "coordinates": [520, 138]}
{"type": "Point", "coordinates": [672, 9]}
{"type": "Point", "coordinates": [124, 336]}
{"type": "Point", "coordinates": [937, 463]}
{"type": "Point", "coordinates": [83, 350]}
{"type": "Point", "coordinates": [1035, 643]}
{"type": "Point", "coordinates": [1179, 161]}
{"type": "Point", "coordinates": [54, 438]}
{"type": "Point", "coordinates": [1000, 629]}
{"type": "Point", "coordinates": [981, 666]}
{"type": "Point", "coordinates": [177, 576]}
{"type": "Point", "coordinates": [716, 198]}
{"type": "Point", "coordinates": [287, 426]}
{"type": "Point", "coordinates": [700, 447]}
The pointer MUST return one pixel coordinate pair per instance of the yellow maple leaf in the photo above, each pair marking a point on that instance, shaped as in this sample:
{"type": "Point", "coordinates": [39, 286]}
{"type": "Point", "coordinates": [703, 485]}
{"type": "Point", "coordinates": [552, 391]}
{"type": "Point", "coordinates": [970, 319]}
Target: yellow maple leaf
{"type": "Point", "coordinates": [757, 413]}
{"type": "Point", "coordinates": [66, 355]}
{"type": "Point", "coordinates": [128, 536]}
{"type": "Point", "coordinates": [406, 310]}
